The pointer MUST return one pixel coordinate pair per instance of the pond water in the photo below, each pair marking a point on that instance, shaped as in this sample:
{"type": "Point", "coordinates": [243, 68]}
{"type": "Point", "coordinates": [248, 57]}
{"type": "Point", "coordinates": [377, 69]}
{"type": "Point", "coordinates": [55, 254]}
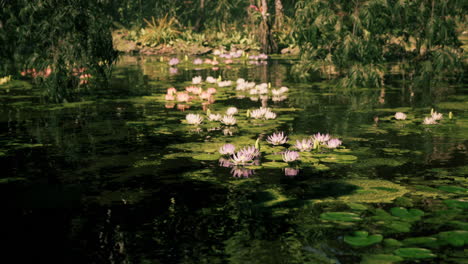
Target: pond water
{"type": "Point", "coordinates": [120, 177]}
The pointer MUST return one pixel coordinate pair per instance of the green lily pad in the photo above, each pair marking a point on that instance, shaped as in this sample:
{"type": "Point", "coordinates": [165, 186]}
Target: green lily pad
{"type": "Point", "coordinates": [339, 159]}
{"type": "Point", "coordinates": [274, 157]}
{"type": "Point", "coordinates": [454, 189]}
{"type": "Point", "coordinates": [407, 215]}
{"type": "Point", "coordinates": [206, 157]}
{"type": "Point", "coordinates": [340, 216]}
{"type": "Point", "coordinates": [357, 206]}
{"type": "Point", "coordinates": [381, 259]}
{"type": "Point", "coordinates": [362, 239]}
{"type": "Point", "coordinates": [457, 238]}
{"type": "Point", "coordinates": [275, 164]}
{"type": "Point", "coordinates": [460, 203]}
{"type": "Point", "coordinates": [414, 253]}
{"type": "Point", "coordinates": [420, 241]}
{"type": "Point", "coordinates": [390, 242]}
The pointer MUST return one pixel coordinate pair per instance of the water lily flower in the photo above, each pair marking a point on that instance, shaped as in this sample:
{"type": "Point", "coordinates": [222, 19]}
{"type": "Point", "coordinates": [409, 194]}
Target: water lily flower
{"type": "Point", "coordinates": [228, 120]}
{"type": "Point", "coordinates": [333, 143]}
{"type": "Point", "coordinates": [290, 155]}
{"type": "Point", "coordinates": [194, 119]}
{"type": "Point", "coordinates": [240, 80]}
{"type": "Point", "coordinates": [276, 92]}
{"type": "Point", "coordinates": [262, 56]}
{"type": "Point", "coordinates": [269, 115]}
{"type": "Point", "coordinates": [205, 95]}
{"type": "Point", "coordinates": [429, 121]}
{"type": "Point", "coordinates": [321, 138]}
{"type": "Point", "coordinates": [217, 52]}
{"type": "Point", "coordinates": [291, 172]}
{"type": "Point", "coordinates": [242, 158]}
{"type": "Point", "coordinates": [227, 149]}
{"type": "Point", "coordinates": [251, 150]}
{"type": "Point", "coordinates": [183, 97]}
{"type": "Point", "coordinates": [400, 116]}
{"type": "Point", "coordinates": [173, 61]}
{"type": "Point", "coordinates": [169, 97]}
{"type": "Point", "coordinates": [284, 89]}
{"type": "Point", "coordinates": [436, 116]}
{"type": "Point", "coordinates": [231, 111]}
{"type": "Point", "coordinates": [214, 117]}
{"type": "Point", "coordinates": [197, 61]}
{"type": "Point", "coordinates": [171, 90]}
{"type": "Point", "coordinates": [277, 139]}
{"type": "Point", "coordinates": [197, 80]}
{"type": "Point", "coordinates": [241, 172]}
{"type": "Point", "coordinates": [304, 145]}
{"type": "Point", "coordinates": [173, 70]}
{"type": "Point", "coordinates": [210, 79]}
{"type": "Point", "coordinates": [224, 83]}
{"type": "Point", "coordinates": [211, 90]}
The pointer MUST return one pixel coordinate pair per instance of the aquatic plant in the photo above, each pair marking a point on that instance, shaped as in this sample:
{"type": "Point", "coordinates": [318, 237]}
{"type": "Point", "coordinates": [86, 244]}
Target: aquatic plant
{"type": "Point", "coordinates": [321, 138]}
{"type": "Point", "coordinates": [197, 61]}
{"type": "Point", "coordinates": [290, 156]}
{"type": "Point", "coordinates": [183, 97]}
{"type": "Point", "coordinates": [304, 144]}
{"type": "Point", "coordinates": [173, 61]}
{"type": "Point", "coordinates": [277, 138]}
{"type": "Point", "coordinates": [242, 158]}
{"type": "Point", "coordinates": [436, 116]}
{"type": "Point", "coordinates": [197, 80]}
{"type": "Point", "coordinates": [194, 119]}
{"type": "Point", "coordinates": [400, 116]}
{"type": "Point", "coordinates": [429, 121]}
{"type": "Point", "coordinates": [263, 113]}
{"type": "Point", "coordinates": [232, 111]}
{"type": "Point", "coordinates": [229, 120]}
{"type": "Point", "coordinates": [214, 117]}
{"type": "Point", "coordinates": [227, 149]}
{"type": "Point", "coordinates": [251, 150]}
{"type": "Point", "coordinates": [333, 143]}
{"type": "Point", "coordinates": [240, 172]}
{"type": "Point", "coordinates": [210, 79]}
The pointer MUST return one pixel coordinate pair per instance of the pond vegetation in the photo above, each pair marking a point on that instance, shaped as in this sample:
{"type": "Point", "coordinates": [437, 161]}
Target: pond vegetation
{"type": "Point", "coordinates": [199, 144]}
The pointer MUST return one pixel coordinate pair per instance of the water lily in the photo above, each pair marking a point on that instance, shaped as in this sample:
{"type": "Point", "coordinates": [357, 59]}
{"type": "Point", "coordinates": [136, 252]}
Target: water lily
{"type": "Point", "coordinates": [436, 116]}
{"type": "Point", "coordinates": [211, 90]}
{"type": "Point", "coordinates": [429, 121]}
{"type": "Point", "coordinates": [291, 172]}
{"type": "Point", "coordinates": [169, 97]}
{"type": "Point", "coordinates": [214, 117]}
{"type": "Point", "coordinates": [173, 70]}
{"type": "Point", "coordinates": [194, 119]}
{"type": "Point", "coordinates": [225, 163]}
{"type": "Point", "coordinates": [232, 111]}
{"type": "Point", "coordinates": [173, 61]}
{"type": "Point", "coordinates": [197, 80]}
{"type": "Point", "coordinates": [242, 158]}
{"type": "Point", "coordinates": [277, 139]}
{"type": "Point", "coordinates": [171, 91]}
{"type": "Point", "coordinates": [197, 61]}
{"type": "Point", "coordinates": [304, 144]}
{"type": "Point", "coordinates": [210, 79]}
{"type": "Point", "coordinates": [290, 155]}
{"type": "Point", "coordinates": [224, 83]}
{"type": "Point", "coordinates": [269, 115]}
{"type": "Point", "coordinates": [251, 150]}
{"type": "Point", "coordinates": [284, 89]}
{"type": "Point", "coordinates": [333, 143]}
{"type": "Point", "coordinates": [229, 120]}
{"type": "Point", "coordinates": [183, 97]}
{"type": "Point", "coordinates": [227, 149]}
{"type": "Point", "coordinates": [400, 116]}
{"type": "Point", "coordinates": [205, 95]}
{"type": "Point", "coordinates": [321, 138]}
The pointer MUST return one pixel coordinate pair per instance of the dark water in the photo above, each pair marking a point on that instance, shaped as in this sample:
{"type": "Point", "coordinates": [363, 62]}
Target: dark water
{"type": "Point", "coordinates": [117, 178]}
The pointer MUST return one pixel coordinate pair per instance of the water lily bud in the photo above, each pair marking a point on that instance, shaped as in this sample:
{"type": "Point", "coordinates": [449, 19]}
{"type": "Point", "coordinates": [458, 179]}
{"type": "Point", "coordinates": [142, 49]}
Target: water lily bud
{"type": "Point", "coordinates": [185, 58]}
{"type": "Point", "coordinates": [257, 144]}
{"type": "Point", "coordinates": [450, 115]}
{"type": "Point", "coordinates": [219, 78]}
{"type": "Point", "coordinates": [432, 111]}
{"type": "Point", "coordinates": [316, 144]}
{"type": "Point", "coordinates": [208, 112]}
{"type": "Point", "coordinates": [248, 113]}
{"type": "Point", "coordinates": [269, 85]}
{"type": "Point", "coordinates": [161, 59]}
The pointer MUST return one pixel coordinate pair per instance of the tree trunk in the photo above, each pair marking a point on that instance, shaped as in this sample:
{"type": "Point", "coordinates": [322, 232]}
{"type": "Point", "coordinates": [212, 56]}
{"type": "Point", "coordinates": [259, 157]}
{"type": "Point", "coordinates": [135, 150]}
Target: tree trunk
{"type": "Point", "coordinates": [265, 36]}
{"type": "Point", "coordinates": [201, 18]}
{"type": "Point", "coordinates": [279, 16]}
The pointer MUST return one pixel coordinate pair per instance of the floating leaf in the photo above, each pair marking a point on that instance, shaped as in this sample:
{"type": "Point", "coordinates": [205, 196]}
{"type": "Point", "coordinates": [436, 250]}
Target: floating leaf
{"type": "Point", "coordinates": [275, 164]}
{"type": "Point", "coordinates": [457, 238]}
{"type": "Point", "coordinates": [407, 215]}
{"type": "Point", "coordinates": [454, 189]}
{"type": "Point", "coordinates": [340, 216]}
{"type": "Point", "coordinates": [362, 239]}
{"type": "Point", "coordinates": [380, 259]}
{"type": "Point", "coordinates": [457, 203]}
{"type": "Point", "coordinates": [390, 242]}
{"type": "Point", "coordinates": [420, 241]}
{"type": "Point", "coordinates": [206, 157]}
{"type": "Point", "coordinates": [414, 253]}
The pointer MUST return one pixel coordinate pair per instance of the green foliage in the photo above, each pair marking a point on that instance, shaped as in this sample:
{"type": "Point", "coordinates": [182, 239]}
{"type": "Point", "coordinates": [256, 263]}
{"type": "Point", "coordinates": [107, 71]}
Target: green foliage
{"type": "Point", "coordinates": [352, 39]}
{"type": "Point", "coordinates": [362, 239]}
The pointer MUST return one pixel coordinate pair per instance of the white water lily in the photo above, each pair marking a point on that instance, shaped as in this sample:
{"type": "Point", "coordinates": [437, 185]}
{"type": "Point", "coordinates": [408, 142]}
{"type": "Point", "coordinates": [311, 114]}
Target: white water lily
{"type": "Point", "coordinates": [194, 119]}
{"type": "Point", "coordinates": [231, 111]}
{"type": "Point", "coordinates": [229, 120]}
{"type": "Point", "coordinates": [400, 116]}
{"type": "Point", "coordinates": [197, 80]}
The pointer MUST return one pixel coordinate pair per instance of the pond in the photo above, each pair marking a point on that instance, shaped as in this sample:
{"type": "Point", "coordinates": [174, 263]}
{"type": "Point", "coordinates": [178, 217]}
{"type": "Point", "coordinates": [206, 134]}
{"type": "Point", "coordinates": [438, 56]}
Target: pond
{"type": "Point", "coordinates": [123, 177]}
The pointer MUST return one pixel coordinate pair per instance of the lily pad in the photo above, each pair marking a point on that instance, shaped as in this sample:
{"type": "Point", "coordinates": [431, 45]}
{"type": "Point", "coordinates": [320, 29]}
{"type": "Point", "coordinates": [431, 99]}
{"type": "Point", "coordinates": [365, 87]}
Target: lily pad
{"type": "Point", "coordinates": [420, 241]}
{"type": "Point", "coordinates": [206, 157]}
{"type": "Point", "coordinates": [457, 238]}
{"type": "Point", "coordinates": [274, 157]}
{"type": "Point", "coordinates": [340, 216]}
{"type": "Point", "coordinates": [407, 215]}
{"type": "Point", "coordinates": [460, 203]}
{"type": "Point", "coordinates": [362, 239]}
{"type": "Point", "coordinates": [414, 253]}
{"type": "Point", "coordinates": [454, 189]}
{"type": "Point", "coordinates": [275, 164]}
{"type": "Point", "coordinates": [381, 259]}
{"type": "Point", "coordinates": [390, 242]}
